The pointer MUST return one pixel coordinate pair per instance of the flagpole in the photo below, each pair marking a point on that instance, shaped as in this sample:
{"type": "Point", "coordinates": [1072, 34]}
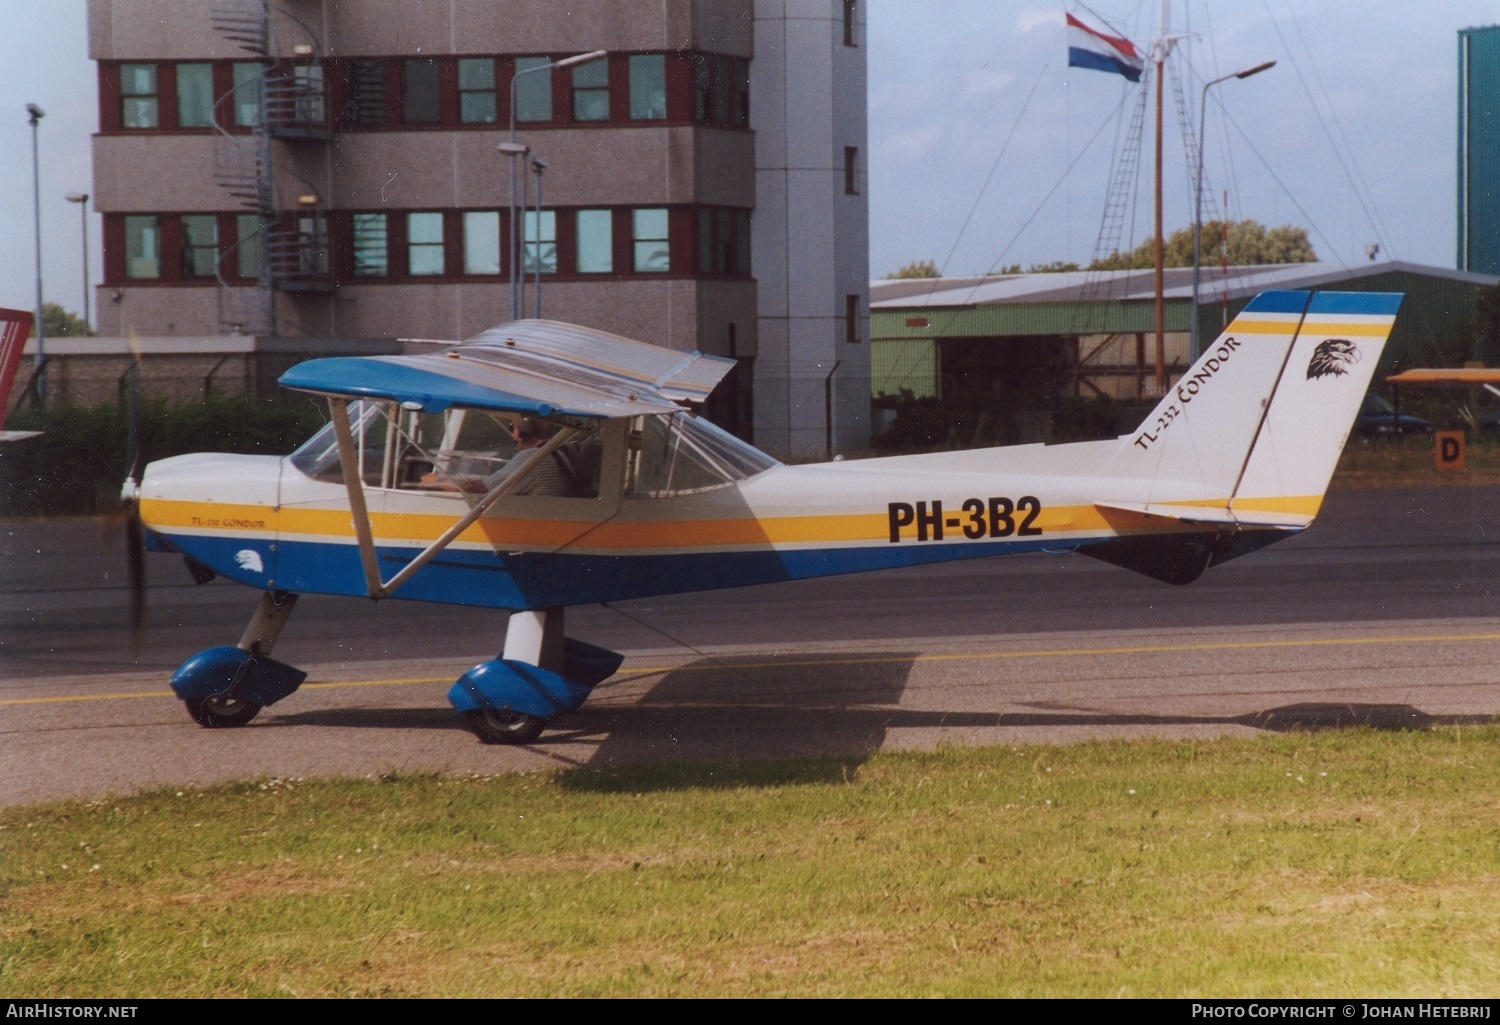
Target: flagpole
{"type": "Point", "coordinates": [1159, 274]}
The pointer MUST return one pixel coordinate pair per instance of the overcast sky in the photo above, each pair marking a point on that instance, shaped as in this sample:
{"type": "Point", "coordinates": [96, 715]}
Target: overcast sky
{"type": "Point", "coordinates": [975, 119]}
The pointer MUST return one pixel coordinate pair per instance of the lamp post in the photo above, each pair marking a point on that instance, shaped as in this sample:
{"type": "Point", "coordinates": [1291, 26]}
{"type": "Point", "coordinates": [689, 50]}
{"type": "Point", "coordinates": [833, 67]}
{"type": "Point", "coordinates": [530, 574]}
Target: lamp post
{"type": "Point", "coordinates": [513, 150]}
{"type": "Point", "coordinates": [35, 118]}
{"type": "Point", "coordinates": [1198, 194]}
{"type": "Point", "coordinates": [82, 199]}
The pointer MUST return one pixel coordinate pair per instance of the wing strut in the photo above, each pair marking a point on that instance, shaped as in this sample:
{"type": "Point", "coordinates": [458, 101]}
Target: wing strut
{"type": "Point", "coordinates": [365, 536]}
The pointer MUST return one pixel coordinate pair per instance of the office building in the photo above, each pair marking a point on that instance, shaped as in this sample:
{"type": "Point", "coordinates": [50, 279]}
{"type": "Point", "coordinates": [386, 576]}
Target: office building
{"type": "Point", "coordinates": [413, 169]}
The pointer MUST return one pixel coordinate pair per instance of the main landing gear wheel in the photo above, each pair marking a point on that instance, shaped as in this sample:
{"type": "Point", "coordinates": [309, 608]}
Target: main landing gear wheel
{"type": "Point", "coordinates": [494, 727]}
{"type": "Point", "coordinates": [222, 711]}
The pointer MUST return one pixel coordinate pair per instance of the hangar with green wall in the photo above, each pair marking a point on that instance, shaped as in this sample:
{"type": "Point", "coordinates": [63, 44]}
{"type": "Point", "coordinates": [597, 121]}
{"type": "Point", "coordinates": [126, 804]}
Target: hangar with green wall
{"type": "Point", "coordinates": [1093, 333]}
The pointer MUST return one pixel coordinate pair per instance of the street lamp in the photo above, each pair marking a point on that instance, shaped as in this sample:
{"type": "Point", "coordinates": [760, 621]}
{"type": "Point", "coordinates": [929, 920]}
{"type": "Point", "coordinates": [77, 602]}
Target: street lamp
{"type": "Point", "coordinates": [1198, 194]}
{"type": "Point", "coordinates": [513, 150]}
{"type": "Point", "coordinates": [36, 114]}
{"type": "Point", "coordinates": [82, 199]}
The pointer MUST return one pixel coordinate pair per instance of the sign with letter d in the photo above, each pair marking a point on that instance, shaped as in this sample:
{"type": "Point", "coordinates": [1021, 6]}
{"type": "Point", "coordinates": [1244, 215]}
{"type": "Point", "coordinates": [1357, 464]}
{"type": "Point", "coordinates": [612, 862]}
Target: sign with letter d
{"type": "Point", "coordinates": [1449, 450]}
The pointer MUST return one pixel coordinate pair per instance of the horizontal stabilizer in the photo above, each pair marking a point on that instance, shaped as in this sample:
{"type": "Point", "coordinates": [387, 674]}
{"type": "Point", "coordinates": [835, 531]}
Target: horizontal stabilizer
{"type": "Point", "coordinates": [1201, 514]}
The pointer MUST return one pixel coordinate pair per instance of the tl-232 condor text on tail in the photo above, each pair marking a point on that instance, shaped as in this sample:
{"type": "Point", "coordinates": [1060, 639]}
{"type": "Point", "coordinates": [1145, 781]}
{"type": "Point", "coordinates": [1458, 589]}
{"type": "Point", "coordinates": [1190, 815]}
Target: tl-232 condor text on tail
{"type": "Point", "coordinates": [995, 517]}
{"type": "Point", "coordinates": [1188, 389]}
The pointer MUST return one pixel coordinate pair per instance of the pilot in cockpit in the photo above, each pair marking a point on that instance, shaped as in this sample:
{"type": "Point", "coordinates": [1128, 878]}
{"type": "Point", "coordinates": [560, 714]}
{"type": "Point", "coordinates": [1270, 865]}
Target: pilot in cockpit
{"type": "Point", "coordinates": [551, 477]}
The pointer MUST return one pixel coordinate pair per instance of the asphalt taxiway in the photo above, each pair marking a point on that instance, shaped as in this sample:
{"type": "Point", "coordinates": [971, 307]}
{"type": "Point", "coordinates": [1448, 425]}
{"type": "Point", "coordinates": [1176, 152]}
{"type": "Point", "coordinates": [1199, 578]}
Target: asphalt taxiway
{"type": "Point", "coordinates": [1387, 611]}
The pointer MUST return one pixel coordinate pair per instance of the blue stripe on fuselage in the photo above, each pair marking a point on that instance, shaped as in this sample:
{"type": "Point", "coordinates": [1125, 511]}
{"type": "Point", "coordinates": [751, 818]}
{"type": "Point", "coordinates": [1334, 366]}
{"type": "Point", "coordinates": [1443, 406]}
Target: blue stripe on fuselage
{"type": "Point", "coordinates": [543, 580]}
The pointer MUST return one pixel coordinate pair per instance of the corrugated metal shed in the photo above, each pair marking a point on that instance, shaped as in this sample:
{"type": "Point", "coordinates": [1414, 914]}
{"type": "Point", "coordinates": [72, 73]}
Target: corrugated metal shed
{"type": "Point", "coordinates": [904, 315]}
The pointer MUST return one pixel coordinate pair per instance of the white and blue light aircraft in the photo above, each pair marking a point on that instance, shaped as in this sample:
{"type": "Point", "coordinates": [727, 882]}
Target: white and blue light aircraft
{"type": "Point", "coordinates": [398, 496]}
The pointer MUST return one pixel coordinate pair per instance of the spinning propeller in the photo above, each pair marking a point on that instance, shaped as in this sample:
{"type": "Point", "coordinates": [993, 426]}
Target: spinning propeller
{"type": "Point", "coordinates": [130, 504]}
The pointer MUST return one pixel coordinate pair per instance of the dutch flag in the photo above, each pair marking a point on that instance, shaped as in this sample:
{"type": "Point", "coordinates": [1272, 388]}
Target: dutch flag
{"type": "Point", "coordinates": [1090, 48]}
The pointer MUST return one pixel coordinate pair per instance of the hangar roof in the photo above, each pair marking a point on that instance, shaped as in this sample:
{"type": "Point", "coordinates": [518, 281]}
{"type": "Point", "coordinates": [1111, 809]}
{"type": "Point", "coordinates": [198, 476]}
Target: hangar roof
{"type": "Point", "coordinates": [1137, 285]}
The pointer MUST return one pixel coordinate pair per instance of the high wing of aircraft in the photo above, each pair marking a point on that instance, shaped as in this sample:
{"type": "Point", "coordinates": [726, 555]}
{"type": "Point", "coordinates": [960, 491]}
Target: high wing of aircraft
{"type": "Point", "coordinates": [423, 486]}
{"type": "Point", "coordinates": [15, 326]}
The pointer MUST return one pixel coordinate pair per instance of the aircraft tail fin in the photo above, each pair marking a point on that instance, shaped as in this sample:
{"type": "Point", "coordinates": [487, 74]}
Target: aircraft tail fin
{"type": "Point", "coordinates": [1240, 450]}
{"type": "Point", "coordinates": [1329, 368]}
{"type": "Point", "coordinates": [15, 326]}
{"type": "Point", "coordinates": [1255, 426]}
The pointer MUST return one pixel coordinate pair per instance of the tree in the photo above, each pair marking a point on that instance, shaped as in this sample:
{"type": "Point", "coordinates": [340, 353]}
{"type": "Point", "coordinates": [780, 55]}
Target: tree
{"type": "Point", "coordinates": [915, 269]}
{"type": "Point", "coordinates": [59, 323]}
{"type": "Point", "coordinates": [1250, 244]}
{"type": "Point", "coordinates": [1055, 267]}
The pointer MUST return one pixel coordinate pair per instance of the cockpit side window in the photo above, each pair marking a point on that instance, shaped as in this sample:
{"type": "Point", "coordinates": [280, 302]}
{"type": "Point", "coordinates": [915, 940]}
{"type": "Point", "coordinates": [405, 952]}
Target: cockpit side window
{"type": "Point", "coordinates": [681, 454]}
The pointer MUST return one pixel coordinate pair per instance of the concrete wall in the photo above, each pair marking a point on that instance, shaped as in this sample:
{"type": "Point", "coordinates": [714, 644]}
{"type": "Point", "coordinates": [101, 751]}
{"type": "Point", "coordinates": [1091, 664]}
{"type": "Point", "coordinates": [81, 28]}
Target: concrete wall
{"type": "Point", "coordinates": [157, 310]}
{"type": "Point", "coordinates": [364, 27]}
{"type": "Point", "coordinates": [811, 237]}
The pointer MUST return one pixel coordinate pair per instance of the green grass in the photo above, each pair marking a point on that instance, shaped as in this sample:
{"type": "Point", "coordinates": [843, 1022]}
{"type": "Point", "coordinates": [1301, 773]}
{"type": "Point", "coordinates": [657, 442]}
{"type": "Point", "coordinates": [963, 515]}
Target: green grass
{"type": "Point", "coordinates": [1332, 864]}
{"type": "Point", "coordinates": [1410, 462]}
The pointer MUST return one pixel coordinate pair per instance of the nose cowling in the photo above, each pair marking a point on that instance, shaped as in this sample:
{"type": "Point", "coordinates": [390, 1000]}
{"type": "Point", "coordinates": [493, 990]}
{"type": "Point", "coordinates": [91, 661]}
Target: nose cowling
{"type": "Point", "coordinates": [219, 509]}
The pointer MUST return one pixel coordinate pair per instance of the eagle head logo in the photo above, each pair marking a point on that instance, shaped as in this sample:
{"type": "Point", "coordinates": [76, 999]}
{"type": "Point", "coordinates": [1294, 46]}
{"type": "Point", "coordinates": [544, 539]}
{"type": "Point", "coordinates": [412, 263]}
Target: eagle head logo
{"type": "Point", "coordinates": [249, 558]}
{"type": "Point", "coordinates": [1332, 358]}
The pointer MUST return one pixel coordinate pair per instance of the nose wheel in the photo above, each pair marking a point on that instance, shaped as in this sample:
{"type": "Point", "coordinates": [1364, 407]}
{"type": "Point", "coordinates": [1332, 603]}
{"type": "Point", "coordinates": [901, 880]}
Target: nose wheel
{"type": "Point", "coordinates": [228, 686]}
{"type": "Point", "coordinates": [222, 711]}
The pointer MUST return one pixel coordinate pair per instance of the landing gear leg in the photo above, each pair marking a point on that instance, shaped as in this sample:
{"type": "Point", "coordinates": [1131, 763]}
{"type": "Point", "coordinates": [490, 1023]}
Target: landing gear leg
{"type": "Point", "coordinates": [271, 614]}
{"type": "Point", "coordinates": [227, 686]}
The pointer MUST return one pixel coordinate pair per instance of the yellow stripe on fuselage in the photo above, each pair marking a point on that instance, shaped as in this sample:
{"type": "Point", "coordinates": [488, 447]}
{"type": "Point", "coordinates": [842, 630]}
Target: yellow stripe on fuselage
{"type": "Point", "coordinates": [324, 525]}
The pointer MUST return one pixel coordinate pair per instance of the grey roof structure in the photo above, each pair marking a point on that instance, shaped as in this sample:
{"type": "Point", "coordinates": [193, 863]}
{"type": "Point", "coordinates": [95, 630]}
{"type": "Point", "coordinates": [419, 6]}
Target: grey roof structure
{"type": "Point", "coordinates": [1138, 285]}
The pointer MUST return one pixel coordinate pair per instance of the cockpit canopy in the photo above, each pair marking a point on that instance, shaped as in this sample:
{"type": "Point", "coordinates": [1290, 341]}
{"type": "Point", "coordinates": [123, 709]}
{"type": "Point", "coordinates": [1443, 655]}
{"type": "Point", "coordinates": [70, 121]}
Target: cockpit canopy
{"type": "Point", "coordinates": [401, 448]}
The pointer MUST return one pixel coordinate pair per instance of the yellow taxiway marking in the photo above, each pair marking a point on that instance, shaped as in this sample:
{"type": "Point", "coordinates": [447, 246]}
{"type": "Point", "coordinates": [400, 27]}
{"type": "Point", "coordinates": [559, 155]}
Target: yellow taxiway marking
{"type": "Point", "coordinates": [979, 656]}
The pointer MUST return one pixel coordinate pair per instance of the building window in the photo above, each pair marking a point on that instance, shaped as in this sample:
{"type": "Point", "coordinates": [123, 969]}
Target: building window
{"type": "Point", "coordinates": [369, 236]}
{"type": "Point", "coordinates": [142, 247]}
{"type": "Point", "coordinates": [200, 245]}
{"type": "Point", "coordinates": [723, 241]}
{"type": "Point", "coordinates": [138, 106]}
{"type": "Point", "coordinates": [312, 245]}
{"type": "Point", "coordinates": [420, 103]}
{"type": "Point", "coordinates": [709, 103]}
{"type": "Point", "coordinates": [648, 229]}
{"type": "Point", "coordinates": [591, 91]}
{"type": "Point", "coordinates": [596, 242]}
{"type": "Point", "coordinates": [721, 90]}
{"type": "Point", "coordinates": [247, 246]}
{"type": "Point", "coordinates": [533, 92]}
{"type": "Point", "coordinates": [851, 170]}
{"type": "Point", "coordinates": [648, 87]}
{"type": "Point", "coordinates": [247, 85]}
{"type": "Point", "coordinates": [195, 95]}
{"type": "Point", "coordinates": [307, 83]}
{"type": "Point", "coordinates": [424, 245]}
{"type": "Point", "coordinates": [851, 22]}
{"type": "Point", "coordinates": [476, 91]}
{"type": "Point", "coordinates": [364, 87]}
{"type": "Point", "coordinates": [541, 243]}
{"type": "Point", "coordinates": [482, 242]}
{"type": "Point", "coordinates": [851, 319]}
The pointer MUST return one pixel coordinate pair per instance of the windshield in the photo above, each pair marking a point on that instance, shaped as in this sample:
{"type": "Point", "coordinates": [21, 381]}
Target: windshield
{"type": "Point", "coordinates": [318, 456]}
